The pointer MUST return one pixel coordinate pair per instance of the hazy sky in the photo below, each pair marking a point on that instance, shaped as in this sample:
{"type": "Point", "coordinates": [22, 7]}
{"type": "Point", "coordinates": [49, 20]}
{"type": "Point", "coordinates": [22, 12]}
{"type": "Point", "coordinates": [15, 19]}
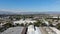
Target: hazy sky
{"type": "Point", "coordinates": [30, 5]}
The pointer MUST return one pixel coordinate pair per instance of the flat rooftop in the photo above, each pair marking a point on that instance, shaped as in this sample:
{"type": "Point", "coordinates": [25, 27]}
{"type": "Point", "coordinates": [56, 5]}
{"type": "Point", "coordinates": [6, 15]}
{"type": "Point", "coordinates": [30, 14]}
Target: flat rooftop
{"type": "Point", "coordinates": [13, 30]}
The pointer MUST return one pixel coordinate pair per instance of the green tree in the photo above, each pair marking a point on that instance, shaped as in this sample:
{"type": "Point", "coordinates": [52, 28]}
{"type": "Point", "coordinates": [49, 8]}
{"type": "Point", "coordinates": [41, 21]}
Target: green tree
{"type": "Point", "coordinates": [38, 23]}
{"type": "Point", "coordinates": [22, 24]}
{"type": "Point", "coordinates": [8, 25]}
{"type": "Point", "coordinates": [58, 26]}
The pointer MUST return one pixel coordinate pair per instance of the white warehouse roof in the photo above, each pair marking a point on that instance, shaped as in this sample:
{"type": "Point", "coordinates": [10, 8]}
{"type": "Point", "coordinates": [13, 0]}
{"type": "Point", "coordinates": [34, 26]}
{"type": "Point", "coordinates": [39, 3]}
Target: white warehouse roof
{"type": "Point", "coordinates": [13, 30]}
{"type": "Point", "coordinates": [31, 30]}
{"type": "Point", "coordinates": [25, 21]}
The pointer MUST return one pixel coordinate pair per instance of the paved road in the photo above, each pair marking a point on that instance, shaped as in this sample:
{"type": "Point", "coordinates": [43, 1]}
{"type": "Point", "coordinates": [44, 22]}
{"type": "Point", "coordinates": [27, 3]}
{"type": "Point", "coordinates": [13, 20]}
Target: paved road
{"type": "Point", "coordinates": [43, 31]}
{"type": "Point", "coordinates": [46, 22]}
{"type": "Point", "coordinates": [23, 31]}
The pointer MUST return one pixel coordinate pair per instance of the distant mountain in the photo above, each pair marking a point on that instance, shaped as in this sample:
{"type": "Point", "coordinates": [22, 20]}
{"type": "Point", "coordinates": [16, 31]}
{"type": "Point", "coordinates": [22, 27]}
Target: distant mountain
{"type": "Point", "coordinates": [52, 12]}
{"type": "Point", "coordinates": [49, 12]}
{"type": "Point", "coordinates": [6, 12]}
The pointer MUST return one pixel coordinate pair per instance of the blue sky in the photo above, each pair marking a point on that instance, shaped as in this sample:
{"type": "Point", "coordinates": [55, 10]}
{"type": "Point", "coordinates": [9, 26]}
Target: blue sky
{"type": "Point", "coordinates": [30, 5]}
